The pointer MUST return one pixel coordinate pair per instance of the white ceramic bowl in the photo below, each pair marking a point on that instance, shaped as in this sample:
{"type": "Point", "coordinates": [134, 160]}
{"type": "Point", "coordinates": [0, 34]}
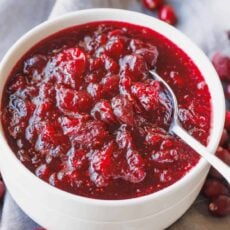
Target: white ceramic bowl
{"type": "Point", "coordinates": [56, 209]}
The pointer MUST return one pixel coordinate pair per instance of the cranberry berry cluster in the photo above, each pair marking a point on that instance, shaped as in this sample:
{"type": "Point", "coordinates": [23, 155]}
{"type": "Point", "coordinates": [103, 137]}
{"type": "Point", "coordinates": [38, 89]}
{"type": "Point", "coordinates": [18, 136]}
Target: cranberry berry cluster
{"type": "Point", "coordinates": [216, 189]}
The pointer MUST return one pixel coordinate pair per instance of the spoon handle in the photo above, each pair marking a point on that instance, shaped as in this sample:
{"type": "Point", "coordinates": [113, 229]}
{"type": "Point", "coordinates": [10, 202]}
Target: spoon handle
{"type": "Point", "coordinates": [219, 165]}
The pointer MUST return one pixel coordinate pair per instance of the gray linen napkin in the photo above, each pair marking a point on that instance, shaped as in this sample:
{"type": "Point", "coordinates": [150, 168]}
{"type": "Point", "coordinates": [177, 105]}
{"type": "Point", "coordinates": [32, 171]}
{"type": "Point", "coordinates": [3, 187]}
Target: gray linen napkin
{"type": "Point", "coordinates": [204, 21]}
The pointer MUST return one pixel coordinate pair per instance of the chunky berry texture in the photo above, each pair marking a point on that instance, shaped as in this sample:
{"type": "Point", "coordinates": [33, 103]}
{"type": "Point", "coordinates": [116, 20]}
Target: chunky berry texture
{"type": "Point", "coordinates": [81, 111]}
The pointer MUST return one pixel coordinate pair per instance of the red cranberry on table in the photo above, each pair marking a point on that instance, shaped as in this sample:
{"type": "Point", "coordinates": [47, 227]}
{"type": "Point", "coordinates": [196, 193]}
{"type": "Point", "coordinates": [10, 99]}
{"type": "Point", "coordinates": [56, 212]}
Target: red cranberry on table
{"type": "Point", "coordinates": [224, 155]}
{"type": "Point", "coordinates": [227, 121]}
{"type": "Point", "coordinates": [222, 65]}
{"type": "Point", "coordinates": [167, 14]}
{"type": "Point", "coordinates": [2, 189]}
{"type": "Point", "coordinates": [152, 4]}
{"type": "Point", "coordinates": [215, 174]}
{"type": "Point", "coordinates": [224, 138]}
{"type": "Point", "coordinates": [213, 188]}
{"type": "Point", "coordinates": [227, 92]}
{"type": "Point", "coordinates": [220, 206]}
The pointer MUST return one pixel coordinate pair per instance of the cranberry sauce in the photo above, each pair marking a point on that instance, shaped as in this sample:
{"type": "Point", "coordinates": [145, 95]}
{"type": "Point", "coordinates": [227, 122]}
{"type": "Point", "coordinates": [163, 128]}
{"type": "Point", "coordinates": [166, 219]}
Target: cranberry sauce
{"type": "Point", "coordinates": [81, 111]}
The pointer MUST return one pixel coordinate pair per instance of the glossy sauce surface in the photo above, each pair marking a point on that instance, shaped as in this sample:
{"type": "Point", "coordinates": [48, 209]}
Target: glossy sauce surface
{"type": "Point", "coordinates": [81, 111]}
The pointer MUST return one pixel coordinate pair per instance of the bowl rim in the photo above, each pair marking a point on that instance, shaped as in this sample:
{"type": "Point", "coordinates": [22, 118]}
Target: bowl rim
{"type": "Point", "coordinates": [99, 14]}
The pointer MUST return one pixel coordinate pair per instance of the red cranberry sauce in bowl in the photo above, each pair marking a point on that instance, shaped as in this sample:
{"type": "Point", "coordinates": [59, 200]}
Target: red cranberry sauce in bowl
{"type": "Point", "coordinates": [81, 111]}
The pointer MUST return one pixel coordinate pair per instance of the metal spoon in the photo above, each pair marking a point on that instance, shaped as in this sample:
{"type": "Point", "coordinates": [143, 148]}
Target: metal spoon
{"type": "Point", "coordinates": [177, 128]}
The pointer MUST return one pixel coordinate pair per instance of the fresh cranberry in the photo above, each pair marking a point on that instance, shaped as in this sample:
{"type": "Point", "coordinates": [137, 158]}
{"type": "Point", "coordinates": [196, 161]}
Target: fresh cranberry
{"type": "Point", "coordinates": [213, 188]}
{"type": "Point", "coordinates": [220, 206]}
{"type": "Point", "coordinates": [152, 4]}
{"type": "Point", "coordinates": [227, 91]}
{"type": "Point", "coordinates": [227, 121]}
{"type": "Point", "coordinates": [224, 155]}
{"type": "Point", "coordinates": [167, 14]}
{"type": "Point", "coordinates": [2, 189]}
{"type": "Point", "coordinates": [222, 65]}
{"type": "Point", "coordinates": [214, 173]}
{"type": "Point", "coordinates": [224, 138]}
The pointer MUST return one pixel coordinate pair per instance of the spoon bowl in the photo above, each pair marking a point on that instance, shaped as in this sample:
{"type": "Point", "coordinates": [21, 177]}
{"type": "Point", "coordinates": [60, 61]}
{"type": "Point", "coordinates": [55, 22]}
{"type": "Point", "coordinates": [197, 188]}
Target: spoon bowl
{"type": "Point", "coordinates": [177, 129]}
